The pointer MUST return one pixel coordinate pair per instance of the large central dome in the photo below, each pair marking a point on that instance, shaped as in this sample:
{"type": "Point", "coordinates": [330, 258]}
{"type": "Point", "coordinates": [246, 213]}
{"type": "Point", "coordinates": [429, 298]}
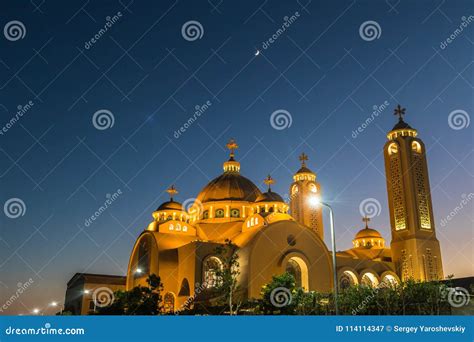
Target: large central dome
{"type": "Point", "coordinates": [230, 186]}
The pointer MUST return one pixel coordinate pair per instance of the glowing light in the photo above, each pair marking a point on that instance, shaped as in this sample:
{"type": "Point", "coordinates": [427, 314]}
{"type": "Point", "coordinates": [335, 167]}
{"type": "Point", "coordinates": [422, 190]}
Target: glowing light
{"type": "Point", "coordinates": [314, 200]}
{"type": "Point", "coordinates": [36, 311]}
{"type": "Point", "coordinates": [138, 270]}
{"type": "Point", "coordinates": [257, 52]}
{"type": "Point", "coordinates": [86, 291]}
{"type": "Point", "coordinates": [54, 304]}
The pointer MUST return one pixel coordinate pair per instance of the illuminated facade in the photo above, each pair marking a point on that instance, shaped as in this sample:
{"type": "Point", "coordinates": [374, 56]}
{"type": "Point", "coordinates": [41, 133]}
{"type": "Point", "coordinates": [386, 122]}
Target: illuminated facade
{"type": "Point", "coordinates": [273, 237]}
{"type": "Point", "coordinates": [415, 249]}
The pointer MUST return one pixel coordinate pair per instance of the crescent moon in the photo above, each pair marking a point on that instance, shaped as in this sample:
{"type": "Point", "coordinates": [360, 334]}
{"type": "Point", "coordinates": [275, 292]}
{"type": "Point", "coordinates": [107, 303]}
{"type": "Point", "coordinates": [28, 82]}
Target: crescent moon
{"type": "Point", "coordinates": [257, 52]}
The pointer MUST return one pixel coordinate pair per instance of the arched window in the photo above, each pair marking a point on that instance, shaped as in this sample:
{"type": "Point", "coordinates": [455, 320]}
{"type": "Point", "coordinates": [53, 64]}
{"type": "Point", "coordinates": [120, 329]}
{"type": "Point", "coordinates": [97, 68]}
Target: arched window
{"type": "Point", "coordinates": [211, 266]}
{"type": "Point", "coordinates": [168, 302]}
{"type": "Point", "coordinates": [392, 148]}
{"type": "Point", "coordinates": [294, 189]}
{"type": "Point", "coordinates": [416, 147]}
{"type": "Point", "coordinates": [299, 270]}
{"type": "Point", "coordinates": [205, 215]}
{"type": "Point", "coordinates": [389, 280]}
{"type": "Point", "coordinates": [312, 187]}
{"type": "Point", "coordinates": [219, 213]}
{"type": "Point", "coordinates": [347, 280]}
{"type": "Point", "coordinates": [234, 213]}
{"type": "Point", "coordinates": [369, 279]}
{"type": "Point", "coordinates": [143, 262]}
{"type": "Point", "coordinates": [271, 210]}
{"type": "Point", "coordinates": [169, 218]}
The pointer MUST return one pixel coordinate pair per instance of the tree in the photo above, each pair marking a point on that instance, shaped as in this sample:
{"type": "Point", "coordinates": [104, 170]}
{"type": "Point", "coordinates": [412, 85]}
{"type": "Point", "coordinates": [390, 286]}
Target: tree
{"type": "Point", "coordinates": [140, 300]}
{"type": "Point", "coordinates": [278, 295]}
{"type": "Point", "coordinates": [228, 275]}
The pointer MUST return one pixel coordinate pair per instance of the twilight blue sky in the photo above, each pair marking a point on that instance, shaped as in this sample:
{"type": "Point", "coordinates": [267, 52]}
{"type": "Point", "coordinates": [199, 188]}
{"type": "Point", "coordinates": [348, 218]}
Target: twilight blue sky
{"type": "Point", "coordinates": [150, 78]}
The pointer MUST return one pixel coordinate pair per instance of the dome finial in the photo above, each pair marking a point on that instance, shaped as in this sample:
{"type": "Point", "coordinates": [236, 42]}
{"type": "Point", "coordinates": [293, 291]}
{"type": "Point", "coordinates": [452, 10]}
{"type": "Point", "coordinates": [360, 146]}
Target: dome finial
{"type": "Point", "coordinates": [269, 181]}
{"type": "Point", "coordinates": [232, 146]}
{"type": "Point", "coordinates": [172, 191]}
{"type": "Point", "coordinates": [366, 219]}
{"type": "Point", "coordinates": [303, 158]}
{"type": "Point", "coordinates": [400, 112]}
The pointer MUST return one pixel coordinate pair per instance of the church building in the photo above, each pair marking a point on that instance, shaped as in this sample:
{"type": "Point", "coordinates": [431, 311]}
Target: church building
{"type": "Point", "coordinates": [274, 237]}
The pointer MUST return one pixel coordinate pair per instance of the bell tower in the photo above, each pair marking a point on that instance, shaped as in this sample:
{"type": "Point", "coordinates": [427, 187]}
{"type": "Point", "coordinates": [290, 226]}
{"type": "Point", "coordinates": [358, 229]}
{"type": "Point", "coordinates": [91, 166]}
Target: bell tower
{"type": "Point", "coordinates": [303, 191]}
{"type": "Point", "coordinates": [415, 249]}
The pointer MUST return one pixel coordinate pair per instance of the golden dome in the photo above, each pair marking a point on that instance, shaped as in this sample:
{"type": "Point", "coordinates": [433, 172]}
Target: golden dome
{"type": "Point", "coordinates": [170, 205]}
{"type": "Point", "coordinates": [368, 233]}
{"type": "Point", "coordinates": [269, 196]}
{"type": "Point", "coordinates": [229, 186]}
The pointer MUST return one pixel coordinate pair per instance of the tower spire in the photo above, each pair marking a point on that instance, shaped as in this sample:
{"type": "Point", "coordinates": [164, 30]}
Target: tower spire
{"type": "Point", "coordinates": [172, 191]}
{"type": "Point", "coordinates": [269, 181]}
{"type": "Point", "coordinates": [232, 165]}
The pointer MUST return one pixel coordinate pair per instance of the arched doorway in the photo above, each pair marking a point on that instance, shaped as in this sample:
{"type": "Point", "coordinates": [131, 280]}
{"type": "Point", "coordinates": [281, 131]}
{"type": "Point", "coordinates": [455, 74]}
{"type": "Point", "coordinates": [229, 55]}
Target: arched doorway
{"type": "Point", "coordinates": [299, 270]}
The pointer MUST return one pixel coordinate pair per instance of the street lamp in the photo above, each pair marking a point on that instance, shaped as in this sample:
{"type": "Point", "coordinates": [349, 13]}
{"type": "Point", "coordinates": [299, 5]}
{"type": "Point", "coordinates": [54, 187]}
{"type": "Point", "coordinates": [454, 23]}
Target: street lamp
{"type": "Point", "coordinates": [36, 311]}
{"type": "Point", "coordinates": [315, 201]}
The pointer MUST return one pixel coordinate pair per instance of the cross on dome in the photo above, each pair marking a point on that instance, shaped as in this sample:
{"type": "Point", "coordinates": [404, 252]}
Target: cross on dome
{"type": "Point", "coordinates": [232, 146]}
{"type": "Point", "coordinates": [366, 219]}
{"type": "Point", "coordinates": [269, 181]}
{"type": "Point", "coordinates": [172, 191]}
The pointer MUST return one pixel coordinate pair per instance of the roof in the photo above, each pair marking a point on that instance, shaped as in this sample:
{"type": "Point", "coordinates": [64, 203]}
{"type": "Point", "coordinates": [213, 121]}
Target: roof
{"type": "Point", "coordinates": [97, 279]}
{"type": "Point", "coordinates": [304, 169]}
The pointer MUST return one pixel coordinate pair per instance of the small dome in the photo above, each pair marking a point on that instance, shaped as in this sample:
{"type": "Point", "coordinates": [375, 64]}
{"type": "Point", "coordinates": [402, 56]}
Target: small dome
{"type": "Point", "coordinates": [304, 169]}
{"type": "Point", "coordinates": [170, 205]}
{"type": "Point", "coordinates": [401, 125]}
{"type": "Point", "coordinates": [269, 196]}
{"type": "Point", "coordinates": [368, 233]}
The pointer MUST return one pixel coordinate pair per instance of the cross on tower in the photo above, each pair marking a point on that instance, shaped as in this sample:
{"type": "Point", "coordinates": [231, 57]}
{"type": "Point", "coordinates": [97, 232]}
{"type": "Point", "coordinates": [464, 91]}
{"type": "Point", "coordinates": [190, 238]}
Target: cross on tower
{"type": "Point", "coordinates": [400, 112]}
{"type": "Point", "coordinates": [366, 220]}
{"type": "Point", "coordinates": [303, 159]}
{"type": "Point", "coordinates": [171, 191]}
{"type": "Point", "coordinates": [269, 181]}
